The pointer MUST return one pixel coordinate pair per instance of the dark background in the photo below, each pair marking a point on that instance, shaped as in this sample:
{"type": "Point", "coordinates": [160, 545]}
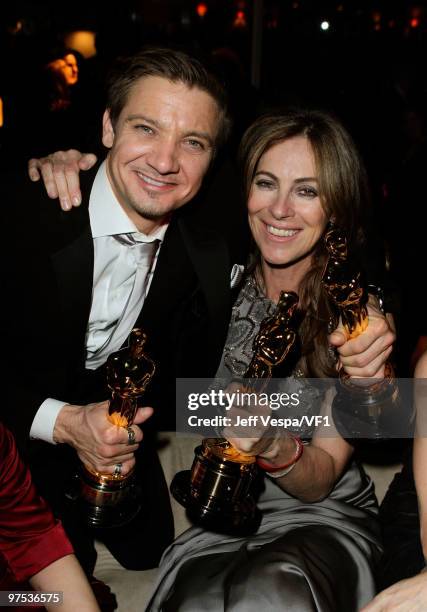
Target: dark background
{"type": "Point", "coordinates": [368, 68]}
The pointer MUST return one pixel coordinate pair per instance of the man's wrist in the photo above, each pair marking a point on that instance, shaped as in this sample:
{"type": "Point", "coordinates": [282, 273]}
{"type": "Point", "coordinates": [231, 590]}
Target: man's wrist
{"type": "Point", "coordinates": [67, 422]}
{"type": "Point", "coordinates": [44, 420]}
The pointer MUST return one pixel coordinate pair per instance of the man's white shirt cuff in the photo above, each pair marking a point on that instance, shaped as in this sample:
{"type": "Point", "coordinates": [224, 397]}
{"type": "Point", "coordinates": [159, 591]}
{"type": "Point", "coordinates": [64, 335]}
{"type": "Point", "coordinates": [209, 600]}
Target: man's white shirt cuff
{"type": "Point", "coordinates": [44, 421]}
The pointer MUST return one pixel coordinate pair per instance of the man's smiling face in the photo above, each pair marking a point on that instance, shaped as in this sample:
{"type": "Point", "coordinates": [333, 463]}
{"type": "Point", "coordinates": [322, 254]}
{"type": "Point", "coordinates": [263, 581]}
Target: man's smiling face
{"type": "Point", "coordinates": [160, 148]}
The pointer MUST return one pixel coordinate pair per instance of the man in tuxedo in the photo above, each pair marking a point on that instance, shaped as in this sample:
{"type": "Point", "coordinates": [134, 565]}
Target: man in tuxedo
{"type": "Point", "coordinates": [128, 257]}
{"type": "Point", "coordinates": [131, 255]}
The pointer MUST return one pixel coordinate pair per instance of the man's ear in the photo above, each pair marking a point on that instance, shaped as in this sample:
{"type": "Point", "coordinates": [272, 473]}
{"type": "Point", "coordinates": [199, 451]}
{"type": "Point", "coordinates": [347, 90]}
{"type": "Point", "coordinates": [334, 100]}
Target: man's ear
{"type": "Point", "coordinates": [107, 130]}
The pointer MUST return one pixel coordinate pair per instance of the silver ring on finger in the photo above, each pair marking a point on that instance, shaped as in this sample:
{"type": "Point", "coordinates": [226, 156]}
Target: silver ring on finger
{"type": "Point", "coordinates": [117, 469]}
{"type": "Point", "coordinates": [131, 436]}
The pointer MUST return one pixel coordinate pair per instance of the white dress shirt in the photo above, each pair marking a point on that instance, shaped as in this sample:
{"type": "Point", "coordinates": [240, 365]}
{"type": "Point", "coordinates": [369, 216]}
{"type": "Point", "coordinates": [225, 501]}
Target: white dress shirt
{"type": "Point", "coordinates": [124, 262]}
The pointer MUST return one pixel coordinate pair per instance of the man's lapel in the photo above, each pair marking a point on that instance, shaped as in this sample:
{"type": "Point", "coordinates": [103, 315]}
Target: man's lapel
{"type": "Point", "coordinates": [188, 259]}
{"type": "Point", "coordinates": [209, 255]}
{"type": "Point", "coordinates": [173, 280]}
{"type": "Point", "coordinates": [72, 260]}
{"type": "Point", "coordinates": [73, 266]}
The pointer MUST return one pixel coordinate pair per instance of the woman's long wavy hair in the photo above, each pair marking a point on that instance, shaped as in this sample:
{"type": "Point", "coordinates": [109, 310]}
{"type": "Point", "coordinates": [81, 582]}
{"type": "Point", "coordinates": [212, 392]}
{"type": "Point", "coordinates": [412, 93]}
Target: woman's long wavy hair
{"type": "Point", "coordinates": [344, 195]}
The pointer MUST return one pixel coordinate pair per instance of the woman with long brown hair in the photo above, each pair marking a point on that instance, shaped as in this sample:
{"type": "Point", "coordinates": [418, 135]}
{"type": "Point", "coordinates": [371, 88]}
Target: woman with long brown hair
{"type": "Point", "coordinates": [318, 540]}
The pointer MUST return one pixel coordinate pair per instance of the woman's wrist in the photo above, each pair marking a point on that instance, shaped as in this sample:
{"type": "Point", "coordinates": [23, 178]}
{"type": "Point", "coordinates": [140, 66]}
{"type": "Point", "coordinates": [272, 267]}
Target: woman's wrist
{"type": "Point", "coordinates": [276, 466]}
{"type": "Point", "coordinates": [281, 447]}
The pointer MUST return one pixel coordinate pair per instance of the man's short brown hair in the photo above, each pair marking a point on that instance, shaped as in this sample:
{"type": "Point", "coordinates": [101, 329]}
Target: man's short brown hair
{"type": "Point", "coordinates": [175, 66]}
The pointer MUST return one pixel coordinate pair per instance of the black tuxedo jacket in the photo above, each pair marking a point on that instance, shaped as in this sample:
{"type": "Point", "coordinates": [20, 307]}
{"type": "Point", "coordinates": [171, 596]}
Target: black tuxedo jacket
{"type": "Point", "coordinates": [48, 271]}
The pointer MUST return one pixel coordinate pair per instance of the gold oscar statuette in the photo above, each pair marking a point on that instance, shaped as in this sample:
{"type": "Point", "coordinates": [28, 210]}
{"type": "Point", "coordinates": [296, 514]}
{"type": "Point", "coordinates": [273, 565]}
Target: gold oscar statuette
{"type": "Point", "coordinates": [219, 490]}
{"type": "Point", "coordinates": [111, 500]}
{"type": "Point", "coordinates": [361, 407]}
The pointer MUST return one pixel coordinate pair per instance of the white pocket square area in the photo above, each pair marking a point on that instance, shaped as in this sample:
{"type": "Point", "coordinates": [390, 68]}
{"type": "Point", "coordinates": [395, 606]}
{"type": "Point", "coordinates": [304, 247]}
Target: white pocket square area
{"type": "Point", "coordinates": [236, 275]}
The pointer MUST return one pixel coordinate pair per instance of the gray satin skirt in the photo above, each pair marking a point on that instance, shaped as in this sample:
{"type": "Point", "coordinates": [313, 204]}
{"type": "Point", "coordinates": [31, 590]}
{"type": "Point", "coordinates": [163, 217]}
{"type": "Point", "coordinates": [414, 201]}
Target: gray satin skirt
{"type": "Point", "coordinates": [304, 557]}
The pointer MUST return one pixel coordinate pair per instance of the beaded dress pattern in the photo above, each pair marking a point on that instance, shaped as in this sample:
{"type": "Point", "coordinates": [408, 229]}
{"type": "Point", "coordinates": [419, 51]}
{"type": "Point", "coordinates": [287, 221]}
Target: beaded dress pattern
{"type": "Point", "coordinates": [250, 309]}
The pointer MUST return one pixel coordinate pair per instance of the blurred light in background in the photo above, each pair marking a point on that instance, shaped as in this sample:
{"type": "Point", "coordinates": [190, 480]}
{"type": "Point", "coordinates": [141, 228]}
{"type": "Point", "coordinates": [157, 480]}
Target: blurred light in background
{"type": "Point", "coordinates": [416, 14]}
{"type": "Point", "coordinates": [82, 41]}
{"type": "Point", "coordinates": [240, 20]}
{"type": "Point", "coordinates": [202, 9]}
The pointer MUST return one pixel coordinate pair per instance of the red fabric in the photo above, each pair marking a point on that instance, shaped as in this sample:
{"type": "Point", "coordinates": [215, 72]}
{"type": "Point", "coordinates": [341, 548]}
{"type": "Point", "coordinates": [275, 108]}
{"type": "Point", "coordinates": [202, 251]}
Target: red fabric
{"type": "Point", "coordinates": [30, 537]}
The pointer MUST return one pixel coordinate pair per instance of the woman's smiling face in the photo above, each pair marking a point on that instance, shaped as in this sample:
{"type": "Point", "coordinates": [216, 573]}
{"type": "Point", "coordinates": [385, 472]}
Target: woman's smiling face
{"type": "Point", "coordinates": [284, 207]}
